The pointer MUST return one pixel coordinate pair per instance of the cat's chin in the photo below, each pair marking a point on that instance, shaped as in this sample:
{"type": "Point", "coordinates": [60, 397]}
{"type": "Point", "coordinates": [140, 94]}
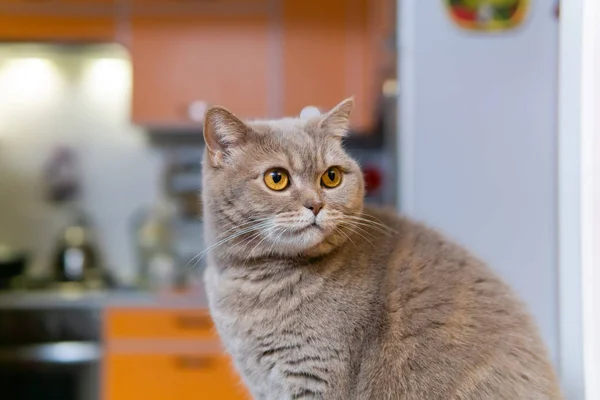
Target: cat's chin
{"type": "Point", "coordinates": [303, 239]}
{"type": "Point", "coordinates": [311, 241]}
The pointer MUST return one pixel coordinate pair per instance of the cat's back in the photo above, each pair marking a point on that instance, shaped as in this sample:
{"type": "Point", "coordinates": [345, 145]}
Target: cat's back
{"type": "Point", "coordinates": [451, 320]}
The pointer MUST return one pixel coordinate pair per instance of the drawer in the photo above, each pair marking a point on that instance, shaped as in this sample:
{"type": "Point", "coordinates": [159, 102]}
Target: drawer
{"type": "Point", "coordinates": [181, 376]}
{"type": "Point", "coordinates": [141, 323]}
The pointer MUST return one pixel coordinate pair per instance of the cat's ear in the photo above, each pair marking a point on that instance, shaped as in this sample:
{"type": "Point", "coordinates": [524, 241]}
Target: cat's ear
{"type": "Point", "coordinates": [337, 121]}
{"type": "Point", "coordinates": [222, 131]}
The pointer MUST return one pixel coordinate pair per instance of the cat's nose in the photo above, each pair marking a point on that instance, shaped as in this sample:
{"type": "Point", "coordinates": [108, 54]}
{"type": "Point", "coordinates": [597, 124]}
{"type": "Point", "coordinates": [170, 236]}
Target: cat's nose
{"type": "Point", "coordinates": [314, 206]}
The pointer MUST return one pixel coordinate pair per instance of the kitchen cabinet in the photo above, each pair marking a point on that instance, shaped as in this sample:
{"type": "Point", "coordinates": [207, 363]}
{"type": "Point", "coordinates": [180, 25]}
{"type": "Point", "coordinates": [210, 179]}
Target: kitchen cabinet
{"type": "Point", "coordinates": [208, 58]}
{"type": "Point", "coordinates": [139, 323]}
{"type": "Point", "coordinates": [83, 2]}
{"type": "Point", "coordinates": [258, 63]}
{"type": "Point", "coordinates": [161, 353]}
{"type": "Point", "coordinates": [58, 20]}
{"type": "Point", "coordinates": [181, 375]}
{"type": "Point", "coordinates": [36, 4]}
{"type": "Point", "coordinates": [180, 5]}
{"type": "Point", "coordinates": [259, 58]}
{"type": "Point", "coordinates": [329, 53]}
{"type": "Point", "coordinates": [56, 28]}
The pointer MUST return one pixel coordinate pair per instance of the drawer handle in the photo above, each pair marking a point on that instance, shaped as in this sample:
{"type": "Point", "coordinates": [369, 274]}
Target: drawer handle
{"type": "Point", "coordinates": [189, 322]}
{"type": "Point", "coordinates": [194, 362]}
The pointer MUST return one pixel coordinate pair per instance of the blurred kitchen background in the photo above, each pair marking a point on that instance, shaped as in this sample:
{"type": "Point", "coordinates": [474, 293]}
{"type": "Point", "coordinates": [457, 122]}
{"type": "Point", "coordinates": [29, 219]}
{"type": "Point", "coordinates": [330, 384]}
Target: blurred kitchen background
{"type": "Point", "coordinates": [101, 108]}
{"type": "Point", "coordinates": [112, 130]}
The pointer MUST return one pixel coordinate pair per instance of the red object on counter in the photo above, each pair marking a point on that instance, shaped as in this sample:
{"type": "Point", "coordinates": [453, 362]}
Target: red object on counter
{"type": "Point", "coordinates": [373, 179]}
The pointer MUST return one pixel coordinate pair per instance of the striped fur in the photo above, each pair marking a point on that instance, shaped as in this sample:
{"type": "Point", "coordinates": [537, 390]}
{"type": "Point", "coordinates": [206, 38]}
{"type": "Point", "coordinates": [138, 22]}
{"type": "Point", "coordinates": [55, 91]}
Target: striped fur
{"type": "Point", "coordinates": [364, 305]}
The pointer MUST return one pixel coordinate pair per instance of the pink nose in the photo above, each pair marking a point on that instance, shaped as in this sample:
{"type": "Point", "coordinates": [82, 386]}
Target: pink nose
{"type": "Point", "coordinates": [314, 206]}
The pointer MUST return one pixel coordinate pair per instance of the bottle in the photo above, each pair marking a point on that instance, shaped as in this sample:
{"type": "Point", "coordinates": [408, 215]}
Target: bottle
{"type": "Point", "coordinates": [154, 240]}
{"type": "Point", "coordinates": [76, 258]}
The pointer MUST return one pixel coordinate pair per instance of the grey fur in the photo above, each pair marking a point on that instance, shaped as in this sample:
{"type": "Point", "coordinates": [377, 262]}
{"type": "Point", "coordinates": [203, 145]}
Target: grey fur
{"type": "Point", "coordinates": [367, 305]}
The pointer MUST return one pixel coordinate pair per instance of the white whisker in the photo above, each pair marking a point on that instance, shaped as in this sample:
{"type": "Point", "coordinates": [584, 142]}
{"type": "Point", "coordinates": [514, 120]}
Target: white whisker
{"type": "Point", "coordinates": [262, 240]}
{"type": "Point", "coordinates": [340, 230]}
{"type": "Point", "coordinates": [199, 256]}
{"type": "Point", "coordinates": [375, 225]}
{"type": "Point", "coordinates": [243, 225]}
{"type": "Point", "coordinates": [352, 224]}
{"type": "Point", "coordinates": [276, 239]}
{"type": "Point", "coordinates": [377, 222]}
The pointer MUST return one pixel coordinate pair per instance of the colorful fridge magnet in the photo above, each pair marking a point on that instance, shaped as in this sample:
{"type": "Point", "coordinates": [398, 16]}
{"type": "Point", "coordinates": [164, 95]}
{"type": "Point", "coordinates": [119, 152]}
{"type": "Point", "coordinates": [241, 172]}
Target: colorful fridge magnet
{"type": "Point", "coordinates": [487, 15]}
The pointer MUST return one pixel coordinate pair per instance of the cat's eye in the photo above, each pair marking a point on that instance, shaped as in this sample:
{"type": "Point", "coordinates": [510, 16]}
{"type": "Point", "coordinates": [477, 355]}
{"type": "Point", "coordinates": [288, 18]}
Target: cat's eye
{"type": "Point", "coordinates": [332, 177]}
{"type": "Point", "coordinates": [276, 179]}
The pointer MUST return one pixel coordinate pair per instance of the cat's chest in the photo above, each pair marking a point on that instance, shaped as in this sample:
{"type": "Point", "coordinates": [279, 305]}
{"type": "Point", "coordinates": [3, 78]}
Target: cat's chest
{"type": "Point", "coordinates": [254, 313]}
{"type": "Point", "coordinates": [278, 331]}
{"type": "Point", "coordinates": [238, 304]}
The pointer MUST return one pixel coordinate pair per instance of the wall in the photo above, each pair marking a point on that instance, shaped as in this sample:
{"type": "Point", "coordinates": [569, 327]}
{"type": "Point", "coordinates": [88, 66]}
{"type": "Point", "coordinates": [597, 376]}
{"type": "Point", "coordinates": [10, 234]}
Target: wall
{"type": "Point", "coordinates": [570, 202]}
{"type": "Point", "coordinates": [75, 96]}
{"type": "Point", "coordinates": [587, 13]}
{"type": "Point", "coordinates": [478, 143]}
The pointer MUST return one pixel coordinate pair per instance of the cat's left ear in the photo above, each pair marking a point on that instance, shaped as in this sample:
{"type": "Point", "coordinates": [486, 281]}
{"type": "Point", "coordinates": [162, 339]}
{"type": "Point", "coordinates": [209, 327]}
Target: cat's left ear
{"type": "Point", "coordinates": [222, 132]}
{"type": "Point", "coordinates": [337, 121]}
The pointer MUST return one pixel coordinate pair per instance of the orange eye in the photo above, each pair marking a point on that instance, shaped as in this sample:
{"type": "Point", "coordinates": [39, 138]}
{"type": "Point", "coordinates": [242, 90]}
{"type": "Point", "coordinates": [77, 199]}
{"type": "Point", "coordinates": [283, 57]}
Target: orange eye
{"type": "Point", "coordinates": [332, 177]}
{"type": "Point", "coordinates": [276, 179]}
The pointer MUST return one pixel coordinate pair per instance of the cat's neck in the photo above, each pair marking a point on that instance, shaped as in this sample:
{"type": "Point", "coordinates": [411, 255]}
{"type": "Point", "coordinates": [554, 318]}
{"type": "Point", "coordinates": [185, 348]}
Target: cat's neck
{"type": "Point", "coordinates": [235, 264]}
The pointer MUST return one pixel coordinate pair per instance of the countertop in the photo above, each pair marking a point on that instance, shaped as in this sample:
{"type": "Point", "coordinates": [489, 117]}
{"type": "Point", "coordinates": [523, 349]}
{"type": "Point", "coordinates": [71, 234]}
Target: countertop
{"type": "Point", "coordinates": [51, 299]}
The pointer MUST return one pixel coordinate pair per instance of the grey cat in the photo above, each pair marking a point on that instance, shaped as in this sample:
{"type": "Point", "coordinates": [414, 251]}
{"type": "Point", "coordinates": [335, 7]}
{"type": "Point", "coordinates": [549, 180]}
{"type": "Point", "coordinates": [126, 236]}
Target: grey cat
{"type": "Point", "coordinates": [318, 297]}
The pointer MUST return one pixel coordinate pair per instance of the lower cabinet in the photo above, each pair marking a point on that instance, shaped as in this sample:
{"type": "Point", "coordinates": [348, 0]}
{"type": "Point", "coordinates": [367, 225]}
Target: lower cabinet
{"type": "Point", "coordinates": [174, 364]}
{"type": "Point", "coordinates": [177, 375]}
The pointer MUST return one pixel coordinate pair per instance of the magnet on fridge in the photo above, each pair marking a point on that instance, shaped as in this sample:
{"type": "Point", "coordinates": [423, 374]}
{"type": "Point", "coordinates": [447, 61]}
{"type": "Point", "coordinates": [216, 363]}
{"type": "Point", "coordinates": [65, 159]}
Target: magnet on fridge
{"type": "Point", "coordinates": [487, 15]}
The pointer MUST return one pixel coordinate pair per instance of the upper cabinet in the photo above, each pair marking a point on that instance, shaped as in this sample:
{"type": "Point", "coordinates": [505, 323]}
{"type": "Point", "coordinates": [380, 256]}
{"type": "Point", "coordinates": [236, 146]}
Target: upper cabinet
{"type": "Point", "coordinates": [181, 63]}
{"type": "Point", "coordinates": [197, 4]}
{"type": "Point", "coordinates": [328, 55]}
{"type": "Point", "coordinates": [58, 20]}
{"type": "Point", "coordinates": [259, 58]}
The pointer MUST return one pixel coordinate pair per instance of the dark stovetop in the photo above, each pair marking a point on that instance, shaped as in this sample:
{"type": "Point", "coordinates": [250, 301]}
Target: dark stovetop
{"type": "Point", "coordinates": [34, 326]}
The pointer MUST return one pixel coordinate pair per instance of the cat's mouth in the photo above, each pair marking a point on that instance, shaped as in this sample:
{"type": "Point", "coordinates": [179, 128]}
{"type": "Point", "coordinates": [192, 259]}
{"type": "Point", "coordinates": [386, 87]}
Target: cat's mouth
{"type": "Point", "coordinates": [305, 236]}
{"type": "Point", "coordinates": [299, 234]}
{"type": "Point", "coordinates": [308, 227]}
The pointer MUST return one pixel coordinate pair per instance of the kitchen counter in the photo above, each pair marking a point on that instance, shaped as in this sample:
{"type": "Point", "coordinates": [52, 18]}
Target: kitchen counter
{"type": "Point", "coordinates": [102, 299]}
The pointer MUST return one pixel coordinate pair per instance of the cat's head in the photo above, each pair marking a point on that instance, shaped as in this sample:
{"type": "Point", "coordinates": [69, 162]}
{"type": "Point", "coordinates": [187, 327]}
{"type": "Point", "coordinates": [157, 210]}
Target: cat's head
{"type": "Point", "coordinates": [282, 187]}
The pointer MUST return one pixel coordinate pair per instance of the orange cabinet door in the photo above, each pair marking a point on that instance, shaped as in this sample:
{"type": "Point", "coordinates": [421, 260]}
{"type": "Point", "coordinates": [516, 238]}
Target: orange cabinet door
{"type": "Point", "coordinates": [60, 20]}
{"type": "Point", "coordinates": [56, 28]}
{"type": "Point", "coordinates": [181, 376]}
{"type": "Point", "coordinates": [178, 4]}
{"type": "Point", "coordinates": [213, 58]}
{"type": "Point", "coordinates": [55, 3]}
{"type": "Point", "coordinates": [148, 323]}
{"type": "Point", "coordinates": [328, 49]}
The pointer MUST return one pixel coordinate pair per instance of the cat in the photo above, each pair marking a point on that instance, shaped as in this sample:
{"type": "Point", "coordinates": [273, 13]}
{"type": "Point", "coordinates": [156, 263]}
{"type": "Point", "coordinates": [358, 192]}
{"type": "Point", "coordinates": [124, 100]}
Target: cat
{"type": "Point", "coordinates": [317, 296]}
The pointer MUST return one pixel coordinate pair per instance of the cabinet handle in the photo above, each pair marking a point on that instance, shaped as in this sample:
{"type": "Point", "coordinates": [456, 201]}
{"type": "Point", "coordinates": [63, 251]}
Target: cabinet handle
{"type": "Point", "coordinates": [193, 322]}
{"type": "Point", "coordinates": [188, 362]}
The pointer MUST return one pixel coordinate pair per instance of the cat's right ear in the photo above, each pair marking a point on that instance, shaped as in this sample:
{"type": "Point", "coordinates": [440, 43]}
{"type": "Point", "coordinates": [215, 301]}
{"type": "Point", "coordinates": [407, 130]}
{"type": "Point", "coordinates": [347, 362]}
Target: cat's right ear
{"type": "Point", "coordinates": [337, 120]}
{"type": "Point", "coordinates": [222, 131]}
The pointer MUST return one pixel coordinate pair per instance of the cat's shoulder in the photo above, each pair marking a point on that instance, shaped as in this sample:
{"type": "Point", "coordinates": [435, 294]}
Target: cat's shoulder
{"type": "Point", "coordinates": [417, 235]}
{"type": "Point", "coordinates": [399, 223]}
